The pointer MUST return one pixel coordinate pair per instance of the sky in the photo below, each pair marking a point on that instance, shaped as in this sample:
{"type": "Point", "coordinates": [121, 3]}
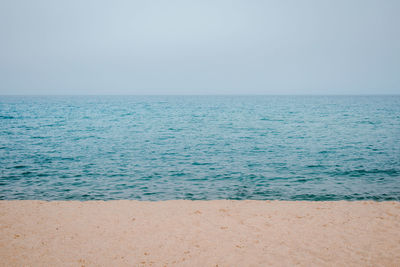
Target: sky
{"type": "Point", "coordinates": [200, 47]}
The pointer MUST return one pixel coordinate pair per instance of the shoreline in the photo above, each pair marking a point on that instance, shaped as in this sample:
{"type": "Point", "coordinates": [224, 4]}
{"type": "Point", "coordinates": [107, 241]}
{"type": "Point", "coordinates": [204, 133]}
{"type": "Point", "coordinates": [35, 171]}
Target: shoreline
{"type": "Point", "coordinates": [199, 233]}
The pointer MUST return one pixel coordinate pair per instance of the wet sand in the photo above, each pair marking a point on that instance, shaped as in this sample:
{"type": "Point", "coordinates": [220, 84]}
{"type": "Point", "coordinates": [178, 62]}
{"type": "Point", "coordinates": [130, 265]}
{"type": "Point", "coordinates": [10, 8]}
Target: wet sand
{"type": "Point", "coordinates": [199, 233]}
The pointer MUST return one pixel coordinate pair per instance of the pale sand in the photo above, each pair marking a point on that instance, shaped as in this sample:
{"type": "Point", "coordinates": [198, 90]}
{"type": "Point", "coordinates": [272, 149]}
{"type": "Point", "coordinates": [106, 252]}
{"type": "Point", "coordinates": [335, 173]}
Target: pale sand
{"type": "Point", "coordinates": [199, 233]}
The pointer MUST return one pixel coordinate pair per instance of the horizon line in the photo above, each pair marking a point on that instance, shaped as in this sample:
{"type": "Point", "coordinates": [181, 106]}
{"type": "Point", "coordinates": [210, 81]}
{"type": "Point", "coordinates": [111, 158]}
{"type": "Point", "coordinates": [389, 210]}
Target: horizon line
{"type": "Point", "coordinates": [381, 94]}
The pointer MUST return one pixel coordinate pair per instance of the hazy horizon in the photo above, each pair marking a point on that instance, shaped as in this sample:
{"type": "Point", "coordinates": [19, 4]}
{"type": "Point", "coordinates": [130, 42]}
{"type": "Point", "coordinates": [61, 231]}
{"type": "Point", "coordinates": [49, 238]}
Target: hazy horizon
{"type": "Point", "coordinates": [200, 48]}
{"type": "Point", "coordinates": [191, 94]}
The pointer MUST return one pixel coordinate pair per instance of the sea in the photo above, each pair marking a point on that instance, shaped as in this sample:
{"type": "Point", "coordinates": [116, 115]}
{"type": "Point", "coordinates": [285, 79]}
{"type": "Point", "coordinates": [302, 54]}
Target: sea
{"type": "Point", "coordinates": [200, 147]}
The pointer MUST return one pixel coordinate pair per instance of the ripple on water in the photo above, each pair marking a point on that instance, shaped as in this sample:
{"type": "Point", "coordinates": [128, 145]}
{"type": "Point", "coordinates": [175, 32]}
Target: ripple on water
{"type": "Point", "coordinates": [170, 147]}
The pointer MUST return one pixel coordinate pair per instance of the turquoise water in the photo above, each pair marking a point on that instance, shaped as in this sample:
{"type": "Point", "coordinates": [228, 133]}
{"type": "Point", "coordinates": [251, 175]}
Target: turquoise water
{"type": "Point", "coordinates": [200, 147]}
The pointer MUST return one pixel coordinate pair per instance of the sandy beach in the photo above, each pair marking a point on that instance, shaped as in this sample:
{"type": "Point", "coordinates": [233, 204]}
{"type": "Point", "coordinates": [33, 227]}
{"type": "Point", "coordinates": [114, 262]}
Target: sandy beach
{"type": "Point", "coordinates": [199, 233]}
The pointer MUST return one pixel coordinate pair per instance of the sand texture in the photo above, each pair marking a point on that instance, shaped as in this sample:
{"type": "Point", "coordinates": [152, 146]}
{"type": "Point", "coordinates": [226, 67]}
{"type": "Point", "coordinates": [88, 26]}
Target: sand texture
{"type": "Point", "coordinates": [199, 233]}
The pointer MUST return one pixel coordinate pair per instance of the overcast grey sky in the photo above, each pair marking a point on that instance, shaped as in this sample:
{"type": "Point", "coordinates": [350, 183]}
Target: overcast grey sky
{"type": "Point", "coordinates": [200, 47]}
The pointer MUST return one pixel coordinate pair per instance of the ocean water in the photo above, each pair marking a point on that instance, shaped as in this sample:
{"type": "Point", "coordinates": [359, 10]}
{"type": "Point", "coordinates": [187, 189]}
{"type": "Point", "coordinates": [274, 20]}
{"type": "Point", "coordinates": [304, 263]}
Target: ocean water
{"type": "Point", "coordinates": [200, 147]}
